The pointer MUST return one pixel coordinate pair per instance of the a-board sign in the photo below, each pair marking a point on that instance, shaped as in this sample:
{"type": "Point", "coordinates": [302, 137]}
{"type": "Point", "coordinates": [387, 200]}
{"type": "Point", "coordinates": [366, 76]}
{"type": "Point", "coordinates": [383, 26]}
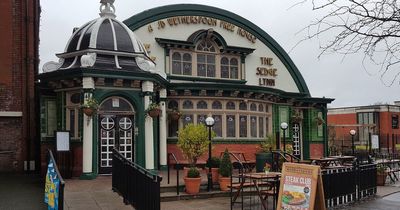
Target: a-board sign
{"type": "Point", "coordinates": [301, 188]}
{"type": "Point", "coordinates": [62, 140]}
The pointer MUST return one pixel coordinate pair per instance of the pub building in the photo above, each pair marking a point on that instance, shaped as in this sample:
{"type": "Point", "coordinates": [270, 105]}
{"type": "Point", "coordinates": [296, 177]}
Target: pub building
{"type": "Point", "coordinates": [200, 60]}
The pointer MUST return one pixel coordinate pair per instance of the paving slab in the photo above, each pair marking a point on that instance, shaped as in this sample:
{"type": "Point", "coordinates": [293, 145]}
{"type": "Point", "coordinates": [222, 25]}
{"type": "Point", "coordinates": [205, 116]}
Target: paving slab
{"type": "Point", "coordinates": [21, 191]}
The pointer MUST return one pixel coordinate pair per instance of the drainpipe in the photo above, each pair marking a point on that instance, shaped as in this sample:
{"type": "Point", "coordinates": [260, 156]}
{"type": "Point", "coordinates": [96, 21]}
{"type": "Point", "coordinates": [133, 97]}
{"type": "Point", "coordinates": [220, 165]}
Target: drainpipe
{"type": "Point", "coordinates": [27, 95]}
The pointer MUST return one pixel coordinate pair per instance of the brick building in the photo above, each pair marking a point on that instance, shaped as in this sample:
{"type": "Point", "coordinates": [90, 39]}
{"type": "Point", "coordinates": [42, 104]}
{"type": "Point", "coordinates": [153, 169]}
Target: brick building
{"type": "Point", "coordinates": [19, 36]}
{"type": "Point", "coordinates": [381, 120]}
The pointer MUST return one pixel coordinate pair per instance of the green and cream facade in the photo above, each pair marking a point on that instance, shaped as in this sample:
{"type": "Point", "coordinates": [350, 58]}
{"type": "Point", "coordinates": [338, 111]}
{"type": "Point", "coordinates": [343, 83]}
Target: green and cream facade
{"type": "Point", "coordinates": [208, 62]}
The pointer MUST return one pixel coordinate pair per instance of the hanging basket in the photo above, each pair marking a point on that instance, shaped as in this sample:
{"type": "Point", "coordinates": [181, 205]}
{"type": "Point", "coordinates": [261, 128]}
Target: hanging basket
{"type": "Point", "coordinates": [154, 112]}
{"type": "Point", "coordinates": [88, 111]}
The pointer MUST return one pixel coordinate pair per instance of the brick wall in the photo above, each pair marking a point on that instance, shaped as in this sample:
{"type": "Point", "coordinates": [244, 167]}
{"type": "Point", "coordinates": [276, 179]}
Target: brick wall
{"type": "Point", "coordinates": [18, 67]}
{"type": "Point", "coordinates": [10, 144]}
{"type": "Point", "coordinates": [249, 150]}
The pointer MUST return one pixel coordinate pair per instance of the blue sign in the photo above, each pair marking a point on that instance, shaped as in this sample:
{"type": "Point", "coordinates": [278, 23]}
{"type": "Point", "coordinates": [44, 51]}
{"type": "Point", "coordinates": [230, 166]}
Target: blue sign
{"type": "Point", "coordinates": [52, 187]}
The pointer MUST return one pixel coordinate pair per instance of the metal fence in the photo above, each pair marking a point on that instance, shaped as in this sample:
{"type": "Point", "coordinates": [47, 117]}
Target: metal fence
{"type": "Point", "coordinates": [348, 184]}
{"type": "Point", "coordinates": [138, 186]}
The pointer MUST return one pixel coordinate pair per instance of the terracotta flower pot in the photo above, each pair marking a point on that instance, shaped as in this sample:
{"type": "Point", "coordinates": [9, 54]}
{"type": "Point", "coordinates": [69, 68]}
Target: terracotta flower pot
{"type": "Point", "coordinates": [154, 112]}
{"type": "Point", "coordinates": [214, 174]}
{"type": "Point", "coordinates": [381, 179]}
{"type": "Point", "coordinates": [224, 182]}
{"type": "Point", "coordinates": [88, 111]}
{"type": "Point", "coordinates": [192, 185]}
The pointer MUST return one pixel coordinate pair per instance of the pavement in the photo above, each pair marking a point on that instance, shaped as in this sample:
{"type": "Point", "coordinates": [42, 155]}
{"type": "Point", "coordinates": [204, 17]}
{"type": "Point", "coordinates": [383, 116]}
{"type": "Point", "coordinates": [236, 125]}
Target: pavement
{"type": "Point", "coordinates": [20, 192]}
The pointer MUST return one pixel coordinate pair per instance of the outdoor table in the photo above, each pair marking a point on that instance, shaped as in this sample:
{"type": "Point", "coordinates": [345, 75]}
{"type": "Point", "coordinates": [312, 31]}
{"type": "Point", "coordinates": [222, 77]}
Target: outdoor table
{"type": "Point", "coordinates": [344, 159]}
{"type": "Point", "coordinates": [270, 177]}
{"type": "Point", "coordinates": [325, 162]}
{"type": "Point", "coordinates": [248, 165]}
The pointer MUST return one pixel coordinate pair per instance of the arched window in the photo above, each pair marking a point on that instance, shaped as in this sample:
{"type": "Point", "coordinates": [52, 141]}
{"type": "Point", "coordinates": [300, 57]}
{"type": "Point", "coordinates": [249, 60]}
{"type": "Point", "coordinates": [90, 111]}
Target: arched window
{"type": "Point", "coordinates": [206, 58]}
{"type": "Point", "coordinates": [253, 107]}
{"type": "Point", "coordinates": [202, 105]}
{"type": "Point", "coordinates": [176, 63]}
{"type": "Point", "coordinates": [181, 64]}
{"type": "Point", "coordinates": [260, 108]}
{"type": "Point", "coordinates": [216, 105]}
{"type": "Point", "coordinates": [187, 104]}
{"type": "Point", "coordinates": [224, 67]}
{"type": "Point", "coordinates": [242, 106]}
{"type": "Point", "coordinates": [234, 67]}
{"type": "Point", "coordinates": [173, 104]}
{"type": "Point", "coordinates": [187, 64]}
{"type": "Point", "coordinates": [230, 105]}
{"type": "Point", "coordinates": [229, 68]}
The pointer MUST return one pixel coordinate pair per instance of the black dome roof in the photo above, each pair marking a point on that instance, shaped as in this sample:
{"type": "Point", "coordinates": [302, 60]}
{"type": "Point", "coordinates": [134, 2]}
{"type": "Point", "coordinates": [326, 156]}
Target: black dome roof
{"type": "Point", "coordinates": [104, 43]}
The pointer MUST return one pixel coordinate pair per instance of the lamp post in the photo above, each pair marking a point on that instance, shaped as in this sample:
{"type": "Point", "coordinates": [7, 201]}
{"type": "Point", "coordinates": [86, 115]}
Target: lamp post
{"type": "Point", "coordinates": [209, 123]}
{"type": "Point", "coordinates": [284, 126]}
{"type": "Point", "coordinates": [352, 133]}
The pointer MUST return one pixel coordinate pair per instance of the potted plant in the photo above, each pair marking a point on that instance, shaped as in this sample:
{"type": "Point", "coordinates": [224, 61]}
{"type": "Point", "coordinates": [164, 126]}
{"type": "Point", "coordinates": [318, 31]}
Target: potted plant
{"type": "Point", "coordinates": [381, 174]}
{"type": "Point", "coordinates": [153, 110]}
{"type": "Point", "coordinates": [174, 114]}
{"type": "Point", "coordinates": [264, 155]}
{"type": "Point", "coordinates": [319, 120]}
{"type": "Point", "coordinates": [296, 116]}
{"type": "Point", "coordinates": [214, 163]}
{"type": "Point", "coordinates": [89, 106]}
{"type": "Point", "coordinates": [192, 181]}
{"type": "Point", "coordinates": [267, 168]}
{"type": "Point", "coordinates": [193, 142]}
{"type": "Point", "coordinates": [225, 171]}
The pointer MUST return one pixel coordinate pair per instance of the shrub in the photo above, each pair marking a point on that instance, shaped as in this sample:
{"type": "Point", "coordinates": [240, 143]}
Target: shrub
{"type": "Point", "coordinates": [90, 103]}
{"type": "Point", "coordinates": [225, 168]}
{"type": "Point", "coordinates": [193, 141]}
{"type": "Point", "coordinates": [214, 162]}
{"type": "Point", "coordinates": [268, 144]}
{"type": "Point", "coordinates": [193, 173]}
{"type": "Point", "coordinates": [153, 106]}
{"type": "Point", "coordinates": [381, 169]}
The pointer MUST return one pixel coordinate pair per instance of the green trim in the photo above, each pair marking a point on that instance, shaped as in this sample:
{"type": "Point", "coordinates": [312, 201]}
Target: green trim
{"type": "Point", "coordinates": [92, 72]}
{"type": "Point", "coordinates": [163, 167]}
{"type": "Point", "coordinates": [88, 176]}
{"type": "Point", "coordinates": [317, 142]}
{"type": "Point", "coordinates": [202, 79]}
{"type": "Point", "coordinates": [162, 12]}
{"type": "Point", "coordinates": [95, 150]}
{"type": "Point", "coordinates": [156, 139]}
{"type": "Point", "coordinates": [135, 98]}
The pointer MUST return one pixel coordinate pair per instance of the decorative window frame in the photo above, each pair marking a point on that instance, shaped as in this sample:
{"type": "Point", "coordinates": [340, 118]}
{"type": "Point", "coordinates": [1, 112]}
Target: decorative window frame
{"type": "Point", "coordinates": [223, 112]}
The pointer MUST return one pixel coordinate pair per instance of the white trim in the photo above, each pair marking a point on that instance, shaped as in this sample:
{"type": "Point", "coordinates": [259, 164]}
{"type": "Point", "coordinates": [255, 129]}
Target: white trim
{"type": "Point", "coordinates": [10, 114]}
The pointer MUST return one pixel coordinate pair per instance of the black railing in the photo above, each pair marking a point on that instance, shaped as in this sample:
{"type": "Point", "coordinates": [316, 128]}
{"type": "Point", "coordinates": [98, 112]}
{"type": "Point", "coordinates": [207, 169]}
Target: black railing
{"type": "Point", "coordinates": [366, 180]}
{"type": "Point", "coordinates": [344, 185]}
{"type": "Point", "coordinates": [279, 156]}
{"type": "Point", "coordinates": [138, 186]}
{"type": "Point", "coordinates": [62, 182]}
{"type": "Point", "coordinates": [172, 157]}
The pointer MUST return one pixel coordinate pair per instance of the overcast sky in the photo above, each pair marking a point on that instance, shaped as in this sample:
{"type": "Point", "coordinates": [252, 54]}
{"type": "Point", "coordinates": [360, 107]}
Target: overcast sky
{"type": "Point", "coordinates": [331, 76]}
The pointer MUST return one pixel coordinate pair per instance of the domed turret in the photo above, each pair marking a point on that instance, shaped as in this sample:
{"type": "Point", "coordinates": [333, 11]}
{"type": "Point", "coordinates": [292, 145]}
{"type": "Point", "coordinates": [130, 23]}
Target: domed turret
{"type": "Point", "coordinates": [103, 43]}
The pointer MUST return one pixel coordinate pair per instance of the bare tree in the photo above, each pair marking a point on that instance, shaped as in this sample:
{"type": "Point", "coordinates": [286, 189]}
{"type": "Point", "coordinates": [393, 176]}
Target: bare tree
{"type": "Point", "coordinates": [371, 27]}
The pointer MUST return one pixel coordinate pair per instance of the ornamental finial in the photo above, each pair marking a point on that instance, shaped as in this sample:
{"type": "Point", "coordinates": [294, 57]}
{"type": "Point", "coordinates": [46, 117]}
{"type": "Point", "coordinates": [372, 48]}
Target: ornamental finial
{"type": "Point", "coordinates": [107, 8]}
